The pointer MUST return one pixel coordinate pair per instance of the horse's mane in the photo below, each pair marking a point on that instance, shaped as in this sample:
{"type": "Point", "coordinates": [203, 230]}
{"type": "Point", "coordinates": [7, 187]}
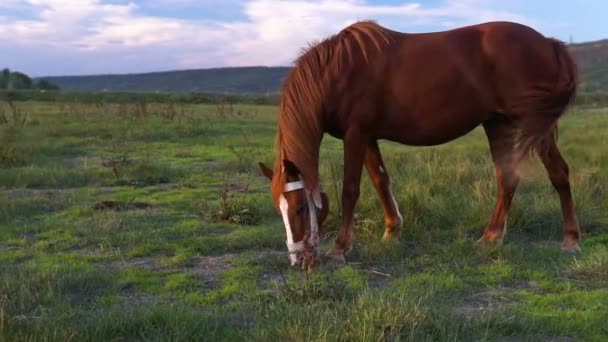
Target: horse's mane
{"type": "Point", "coordinates": [300, 124]}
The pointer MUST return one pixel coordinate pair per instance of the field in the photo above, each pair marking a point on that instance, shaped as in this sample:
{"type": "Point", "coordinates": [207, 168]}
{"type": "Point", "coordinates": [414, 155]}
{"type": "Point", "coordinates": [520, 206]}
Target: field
{"type": "Point", "coordinates": [152, 222]}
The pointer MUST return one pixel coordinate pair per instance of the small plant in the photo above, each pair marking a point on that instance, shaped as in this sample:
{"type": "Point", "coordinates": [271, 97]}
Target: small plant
{"type": "Point", "coordinates": [116, 164]}
{"type": "Point", "coordinates": [137, 110]}
{"type": "Point", "coordinates": [248, 114]}
{"type": "Point", "coordinates": [14, 117]}
{"type": "Point", "coordinates": [245, 152]}
{"type": "Point", "coordinates": [11, 152]}
{"type": "Point", "coordinates": [233, 207]}
{"type": "Point", "coordinates": [224, 109]}
{"type": "Point", "coordinates": [122, 110]}
{"type": "Point", "coordinates": [169, 112]}
{"type": "Point", "coordinates": [10, 156]}
{"type": "Point", "coordinates": [141, 110]}
{"type": "Point", "coordinates": [3, 117]}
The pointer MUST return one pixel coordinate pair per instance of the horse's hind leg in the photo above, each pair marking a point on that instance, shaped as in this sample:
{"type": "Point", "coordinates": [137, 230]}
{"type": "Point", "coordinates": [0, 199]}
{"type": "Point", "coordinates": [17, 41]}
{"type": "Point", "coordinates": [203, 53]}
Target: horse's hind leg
{"type": "Point", "coordinates": [379, 176]}
{"type": "Point", "coordinates": [558, 173]}
{"type": "Point", "coordinates": [501, 133]}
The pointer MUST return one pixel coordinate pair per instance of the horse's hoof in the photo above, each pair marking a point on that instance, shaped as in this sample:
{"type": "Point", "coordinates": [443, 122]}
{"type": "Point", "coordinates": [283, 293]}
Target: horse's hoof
{"type": "Point", "coordinates": [570, 248]}
{"type": "Point", "coordinates": [335, 258]}
{"type": "Point", "coordinates": [489, 242]}
{"type": "Point", "coordinates": [390, 236]}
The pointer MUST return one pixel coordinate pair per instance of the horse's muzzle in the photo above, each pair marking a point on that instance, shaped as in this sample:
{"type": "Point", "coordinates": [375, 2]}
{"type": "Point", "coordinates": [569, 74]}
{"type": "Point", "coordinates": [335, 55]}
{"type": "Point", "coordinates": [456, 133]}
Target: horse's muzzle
{"type": "Point", "coordinates": [304, 255]}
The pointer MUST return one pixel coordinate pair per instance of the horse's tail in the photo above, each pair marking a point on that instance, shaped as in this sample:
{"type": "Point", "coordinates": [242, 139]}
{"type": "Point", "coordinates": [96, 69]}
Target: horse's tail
{"type": "Point", "coordinates": [549, 102]}
{"type": "Point", "coordinates": [568, 76]}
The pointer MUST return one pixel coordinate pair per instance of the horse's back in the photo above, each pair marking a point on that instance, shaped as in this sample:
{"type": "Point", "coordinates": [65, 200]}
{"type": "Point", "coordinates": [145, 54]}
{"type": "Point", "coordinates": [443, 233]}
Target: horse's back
{"type": "Point", "coordinates": [438, 82]}
{"type": "Point", "coordinates": [494, 62]}
{"type": "Point", "coordinates": [427, 89]}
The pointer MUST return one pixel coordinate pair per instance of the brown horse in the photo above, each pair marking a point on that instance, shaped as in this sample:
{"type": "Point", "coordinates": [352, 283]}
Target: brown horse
{"type": "Point", "coordinates": [368, 83]}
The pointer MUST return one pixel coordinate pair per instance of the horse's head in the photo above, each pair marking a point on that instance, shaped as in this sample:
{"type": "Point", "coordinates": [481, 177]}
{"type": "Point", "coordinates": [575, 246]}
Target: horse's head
{"type": "Point", "coordinates": [302, 215]}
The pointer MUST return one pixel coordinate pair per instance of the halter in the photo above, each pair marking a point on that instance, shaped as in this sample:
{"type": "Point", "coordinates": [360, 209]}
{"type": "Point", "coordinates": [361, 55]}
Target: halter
{"type": "Point", "coordinates": [296, 247]}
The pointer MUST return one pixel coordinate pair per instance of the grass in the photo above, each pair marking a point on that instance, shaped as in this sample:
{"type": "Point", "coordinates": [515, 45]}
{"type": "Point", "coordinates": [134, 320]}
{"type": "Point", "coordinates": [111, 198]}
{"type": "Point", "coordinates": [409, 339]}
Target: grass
{"type": "Point", "coordinates": [122, 222]}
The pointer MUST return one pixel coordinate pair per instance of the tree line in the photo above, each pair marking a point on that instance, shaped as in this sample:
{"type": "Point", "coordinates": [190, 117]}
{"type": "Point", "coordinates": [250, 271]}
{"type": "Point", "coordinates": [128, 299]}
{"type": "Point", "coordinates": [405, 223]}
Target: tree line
{"type": "Point", "coordinates": [14, 80]}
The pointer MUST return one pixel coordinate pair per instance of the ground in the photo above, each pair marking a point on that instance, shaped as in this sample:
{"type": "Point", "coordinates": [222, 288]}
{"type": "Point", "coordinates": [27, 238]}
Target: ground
{"type": "Point", "coordinates": [133, 222]}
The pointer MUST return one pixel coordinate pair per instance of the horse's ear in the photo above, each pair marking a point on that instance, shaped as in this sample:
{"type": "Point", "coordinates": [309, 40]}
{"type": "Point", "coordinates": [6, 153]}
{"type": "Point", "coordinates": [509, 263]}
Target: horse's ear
{"type": "Point", "coordinates": [291, 169]}
{"type": "Point", "coordinates": [266, 171]}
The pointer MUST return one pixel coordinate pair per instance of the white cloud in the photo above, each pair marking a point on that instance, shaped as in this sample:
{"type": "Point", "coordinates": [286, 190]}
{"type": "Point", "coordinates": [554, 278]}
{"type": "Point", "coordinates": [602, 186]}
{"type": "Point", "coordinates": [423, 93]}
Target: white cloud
{"type": "Point", "coordinates": [272, 34]}
{"type": "Point", "coordinates": [10, 4]}
{"type": "Point", "coordinates": [280, 28]}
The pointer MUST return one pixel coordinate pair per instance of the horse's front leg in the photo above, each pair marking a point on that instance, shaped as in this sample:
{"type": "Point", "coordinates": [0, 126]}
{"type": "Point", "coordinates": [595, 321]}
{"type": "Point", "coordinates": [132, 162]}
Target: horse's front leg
{"type": "Point", "coordinates": [354, 154]}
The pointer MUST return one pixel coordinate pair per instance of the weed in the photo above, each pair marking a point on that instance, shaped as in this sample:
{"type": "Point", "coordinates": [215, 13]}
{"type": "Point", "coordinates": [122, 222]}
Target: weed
{"type": "Point", "coordinates": [224, 109]}
{"type": "Point", "coordinates": [140, 110]}
{"type": "Point", "coordinates": [232, 206]}
{"type": "Point", "coordinates": [12, 115]}
{"type": "Point", "coordinates": [170, 113]}
{"type": "Point", "coordinates": [12, 153]}
{"type": "Point", "coordinates": [117, 164]}
{"type": "Point", "coordinates": [3, 117]}
{"type": "Point", "coordinates": [233, 209]}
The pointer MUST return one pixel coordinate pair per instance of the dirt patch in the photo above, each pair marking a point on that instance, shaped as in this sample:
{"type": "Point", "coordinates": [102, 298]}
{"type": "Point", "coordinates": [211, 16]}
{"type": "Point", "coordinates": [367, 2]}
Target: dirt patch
{"type": "Point", "coordinates": [207, 268]}
{"type": "Point", "coordinates": [232, 185]}
{"type": "Point", "coordinates": [120, 206]}
{"type": "Point", "coordinates": [271, 276]}
{"type": "Point", "coordinates": [94, 251]}
{"type": "Point", "coordinates": [137, 298]}
{"type": "Point", "coordinates": [49, 193]}
{"type": "Point", "coordinates": [379, 278]}
{"type": "Point", "coordinates": [489, 300]}
{"type": "Point", "coordinates": [147, 263]}
{"type": "Point", "coordinates": [7, 247]}
{"type": "Point", "coordinates": [210, 268]}
{"type": "Point", "coordinates": [481, 302]}
{"type": "Point", "coordinates": [149, 181]}
{"type": "Point", "coordinates": [81, 162]}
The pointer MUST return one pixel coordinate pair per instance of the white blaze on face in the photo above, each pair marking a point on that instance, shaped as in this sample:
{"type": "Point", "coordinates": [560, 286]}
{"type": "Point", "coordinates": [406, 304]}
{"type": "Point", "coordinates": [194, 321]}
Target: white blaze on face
{"type": "Point", "coordinates": [284, 207]}
{"type": "Point", "coordinates": [313, 240]}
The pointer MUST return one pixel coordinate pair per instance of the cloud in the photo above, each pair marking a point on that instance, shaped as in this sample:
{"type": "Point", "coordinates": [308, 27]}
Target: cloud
{"type": "Point", "coordinates": [10, 4]}
{"type": "Point", "coordinates": [278, 29]}
{"type": "Point", "coordinates": [93, 34]}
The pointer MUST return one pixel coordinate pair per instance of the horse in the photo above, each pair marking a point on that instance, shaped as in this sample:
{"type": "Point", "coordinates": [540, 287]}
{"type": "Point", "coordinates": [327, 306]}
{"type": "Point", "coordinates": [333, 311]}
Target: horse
{"type": "Point", "coordinates": [368, 82]}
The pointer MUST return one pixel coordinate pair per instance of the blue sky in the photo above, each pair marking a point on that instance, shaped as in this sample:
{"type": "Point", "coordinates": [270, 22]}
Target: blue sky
{"type": "Point", "coordinates": [68, 37]}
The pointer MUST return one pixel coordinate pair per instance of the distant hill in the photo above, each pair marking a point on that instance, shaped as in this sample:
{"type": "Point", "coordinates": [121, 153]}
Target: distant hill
{"type": "Point", "coordinates": [247, 80]}
{"type": "Point", "coordinates": [592, 58]}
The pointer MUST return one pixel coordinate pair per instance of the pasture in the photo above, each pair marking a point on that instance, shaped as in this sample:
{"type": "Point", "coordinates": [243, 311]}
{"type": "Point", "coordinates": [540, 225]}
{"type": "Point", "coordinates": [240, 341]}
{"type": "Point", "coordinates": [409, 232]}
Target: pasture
{"type": "Point", "coordinates": [153, 222]}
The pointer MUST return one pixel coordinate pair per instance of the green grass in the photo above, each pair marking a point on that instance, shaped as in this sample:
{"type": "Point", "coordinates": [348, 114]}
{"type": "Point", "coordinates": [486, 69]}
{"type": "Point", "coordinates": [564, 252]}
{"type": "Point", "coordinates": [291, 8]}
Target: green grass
{"type": "Point", "coordinates": [188, 247]}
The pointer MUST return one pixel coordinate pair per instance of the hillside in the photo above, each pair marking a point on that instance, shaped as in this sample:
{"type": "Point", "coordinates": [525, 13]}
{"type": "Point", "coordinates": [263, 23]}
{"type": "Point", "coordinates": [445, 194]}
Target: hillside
{"type": "Point", "coordinates": [592, 58]}
{"type": "Point", "coordinates": [253, 80]}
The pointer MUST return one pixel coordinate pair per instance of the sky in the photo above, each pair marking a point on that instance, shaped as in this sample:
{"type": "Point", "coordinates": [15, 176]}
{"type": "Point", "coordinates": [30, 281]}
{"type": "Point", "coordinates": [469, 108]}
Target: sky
{"type": "Point", "coordinates": [77, 37]}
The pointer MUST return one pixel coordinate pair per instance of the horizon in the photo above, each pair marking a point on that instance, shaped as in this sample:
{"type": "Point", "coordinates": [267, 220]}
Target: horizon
{"type": "Point", "coordinates": [166, 71]}
{"type": "Point", "coordinates": [53, 38]}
